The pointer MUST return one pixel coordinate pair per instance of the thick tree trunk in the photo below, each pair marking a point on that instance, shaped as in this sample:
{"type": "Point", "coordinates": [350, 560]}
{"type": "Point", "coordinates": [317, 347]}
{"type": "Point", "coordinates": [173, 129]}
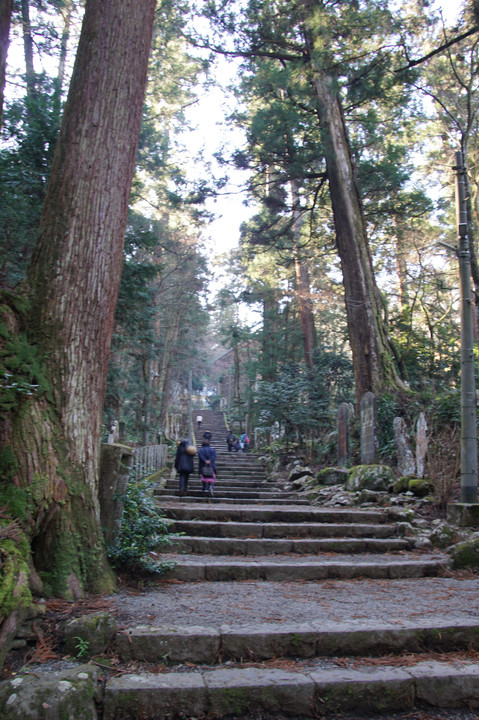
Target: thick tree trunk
{"type": "Point", "coordinates": [303, 287]}
{"type": "Point", "coordinates": [6, 7]}
{"type": "Point", "coordinates": [28, 49]}
{"type": "Point", "coordinates": [270, 321]}
{"type": "Point", "coordinates": [374, 367]}
{"type": "Point", "coordinates": [73, 281]}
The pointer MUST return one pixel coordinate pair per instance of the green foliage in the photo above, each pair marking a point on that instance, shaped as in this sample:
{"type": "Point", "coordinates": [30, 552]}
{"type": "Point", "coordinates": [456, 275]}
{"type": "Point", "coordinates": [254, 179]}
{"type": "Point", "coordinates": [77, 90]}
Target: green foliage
{"type": "Point", "coordinates": [143, 529]}
{"type": "Point", "coordinates": [31, 128]}
{"type": "Point", "coordinates": [387, 408]}
{"type": "Point", "coordinates": [300, 403]}
{"type": "Point", "coordinates": [81, 647]}
{"type": "Point", "coordinates": [21, 372]}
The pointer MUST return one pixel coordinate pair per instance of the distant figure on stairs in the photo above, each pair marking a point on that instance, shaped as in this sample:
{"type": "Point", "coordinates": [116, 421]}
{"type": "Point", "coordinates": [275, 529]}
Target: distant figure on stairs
{"type": "Point", "coordinates": [244, 442]}
{"type": "Point", "coordinates": [207, 435]}
{"type": "Point", "coordinates": [207, 466]}
{"type": "Point", "coordinates": [230, 439]}
{"type": "Point", "coordinates": [184, 465]}
{"type": "Point", "coordinates": [199, 420]}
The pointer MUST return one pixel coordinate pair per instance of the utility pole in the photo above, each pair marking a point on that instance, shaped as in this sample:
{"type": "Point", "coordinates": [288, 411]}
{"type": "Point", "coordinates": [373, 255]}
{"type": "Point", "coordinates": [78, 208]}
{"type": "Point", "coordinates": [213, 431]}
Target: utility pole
{"type": "Point", "coordinates": [468, 385]}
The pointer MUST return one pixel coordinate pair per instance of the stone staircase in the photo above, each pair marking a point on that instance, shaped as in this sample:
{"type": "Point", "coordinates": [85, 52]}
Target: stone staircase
{"type": "Point", "coordinates": [278, 609]}
{"type": "Point", "coordinates": [252, 537]}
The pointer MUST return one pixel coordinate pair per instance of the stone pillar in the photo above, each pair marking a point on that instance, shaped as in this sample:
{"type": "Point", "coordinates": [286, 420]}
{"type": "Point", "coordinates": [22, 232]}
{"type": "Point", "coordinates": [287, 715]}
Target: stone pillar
{"type": "Point", "coordinates": [421, 445]}
{"type": "Point", "coordinates": [368, 425]}
{"type": "Point", "coordinates": [115, 462]}
{"type": "Point", "coordinates": [406, 463]}
{"type": "Point", "coordinates": [342, 424]}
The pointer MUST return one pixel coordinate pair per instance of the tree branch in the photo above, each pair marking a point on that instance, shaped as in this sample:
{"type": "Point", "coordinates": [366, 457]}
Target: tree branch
{"type": "Point", "coordinates": [436, 51]}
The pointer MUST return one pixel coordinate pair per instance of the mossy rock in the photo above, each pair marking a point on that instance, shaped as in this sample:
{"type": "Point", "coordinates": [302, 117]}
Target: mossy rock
{"type": "Point", "coordinates": [401, 485]}
{"type": "Point", "coordinates": [90, 634]}
{"type": "Point", "coordinates": [370, 477]}
{"type": "Point", "coordinates": [420, 487]}
{"type": "Point", "coordinates": [466, 555]}
{"type": "Point", "coordinates": [443, 536]}
{"type": "Point", "coordinates": [332, 476]}
{"type": "Point", "coordinates": [68, 694]}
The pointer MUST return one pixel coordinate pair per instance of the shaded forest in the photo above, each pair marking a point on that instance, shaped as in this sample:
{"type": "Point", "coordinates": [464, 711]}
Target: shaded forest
{"type": "Point", "coordinates": [344, 279]}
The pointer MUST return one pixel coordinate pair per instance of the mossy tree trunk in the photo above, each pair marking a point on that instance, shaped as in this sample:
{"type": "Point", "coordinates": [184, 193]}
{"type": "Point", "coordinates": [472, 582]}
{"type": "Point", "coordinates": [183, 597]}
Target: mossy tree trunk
{"type": "Point", "coordinates": [73, 283]}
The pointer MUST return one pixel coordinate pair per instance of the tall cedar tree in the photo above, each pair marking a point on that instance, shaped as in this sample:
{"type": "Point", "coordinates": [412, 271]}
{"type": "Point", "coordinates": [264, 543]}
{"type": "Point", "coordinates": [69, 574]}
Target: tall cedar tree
{"type": "Point", "coordinates": [72, 283]}
{"type": "Point", "coordinates": [6, 7]}
{"type": "Point", "coordinates": [305, 33]}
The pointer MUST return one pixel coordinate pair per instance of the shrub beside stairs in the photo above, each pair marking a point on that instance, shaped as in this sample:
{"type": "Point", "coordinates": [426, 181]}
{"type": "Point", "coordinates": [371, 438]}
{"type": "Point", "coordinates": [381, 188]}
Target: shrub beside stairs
{"type": "Point", "coordinates": [252, 530]}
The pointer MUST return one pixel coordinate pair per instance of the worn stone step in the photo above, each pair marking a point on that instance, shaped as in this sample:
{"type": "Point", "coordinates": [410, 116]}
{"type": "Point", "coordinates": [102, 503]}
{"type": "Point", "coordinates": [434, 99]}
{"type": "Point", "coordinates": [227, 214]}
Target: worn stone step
{"type": "Point", "coordinates": [165, 498]}
{"type": "Point", "coordinates": [234, 495]}
{"type": "Point", "coordinates": [277, 546]}
{"type": "Point", "coordinates": [294, 514]}
{"type": "Point", "coordinates": [278, 568]}
{"type": "Point", "coordinates": [262, 641]}
{"type": "Point", "coordinates": [309, 692]}
{"type": "Point", "coordinates": [230, 529]}
{"type": "Point", "coordinates": [225, 484]}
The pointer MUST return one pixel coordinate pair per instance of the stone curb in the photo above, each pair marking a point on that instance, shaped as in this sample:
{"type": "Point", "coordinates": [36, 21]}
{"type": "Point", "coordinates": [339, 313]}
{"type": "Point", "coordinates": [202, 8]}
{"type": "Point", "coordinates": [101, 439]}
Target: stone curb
{"type": "Point", "coordinates": [206, 645]}
{"type": "Point", "coordinates": [240, 691]}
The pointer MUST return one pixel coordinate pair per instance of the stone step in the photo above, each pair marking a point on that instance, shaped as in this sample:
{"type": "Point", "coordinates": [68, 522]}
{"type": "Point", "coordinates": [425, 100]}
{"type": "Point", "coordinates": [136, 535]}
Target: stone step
{"type": "Point", "coordinates": [211, 528]}
{"type": "Point", "coordinates": [233, 500]}
{"type": "Point", "coordinates": [264, 514]}
{"type": "Point", "coordinates": [275, 546]}
{"type": "Point", "coordinates": [229, 485]}
{"type": "Point", "coordinates": [257, 642]}
{"type": "Point", "coordinates": [225, 494]}
{"type": "Point", "coordinates": [309, 690]}
{"type": "Point", "coordinates": [278, 568]}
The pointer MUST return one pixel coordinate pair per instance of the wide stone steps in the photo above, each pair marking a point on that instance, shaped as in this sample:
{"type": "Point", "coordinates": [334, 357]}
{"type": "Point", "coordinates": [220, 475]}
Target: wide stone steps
{"type": "Point", "coordinates": [229, 529]}
{"type": "Point", "coordinates": [279, 568]}
{"type": "Point", "coordinates": [263, 641]}
{"type": "Point", "coordinates": [233, 499]}
{"type": "Point", "coordinates": [235, 495]}
{"type": "Point", "coordinates": [313, 690]}
{"type": "Point", "coordinates": [274, 546]}
{"type": "Point", "coordinates": [252, 536]}
{"type": "Point", "coordinates": [265, 514]}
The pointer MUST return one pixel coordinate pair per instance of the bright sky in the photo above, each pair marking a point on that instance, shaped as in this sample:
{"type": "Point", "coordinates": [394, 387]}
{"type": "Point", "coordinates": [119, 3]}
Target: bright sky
{"type": "Point", "coordinates": [212, 130]}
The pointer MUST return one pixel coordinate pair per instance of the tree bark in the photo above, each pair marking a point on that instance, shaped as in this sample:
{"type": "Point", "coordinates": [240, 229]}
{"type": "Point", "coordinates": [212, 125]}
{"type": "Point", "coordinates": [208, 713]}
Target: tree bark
{"type": "Point", "coordinates": [374, 368]}
{"type": "Point", "coordinates": [6, 7]}
{"type": "Point", "coordinates": [73, 282]}
{"type": "Point", "coordinates": [303, 287]}
{"type": "Point", "coordinates": [28, 49]}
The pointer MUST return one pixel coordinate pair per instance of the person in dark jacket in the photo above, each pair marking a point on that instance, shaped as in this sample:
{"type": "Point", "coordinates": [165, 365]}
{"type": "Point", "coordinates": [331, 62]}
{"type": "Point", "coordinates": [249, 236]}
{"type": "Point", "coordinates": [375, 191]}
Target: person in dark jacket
{"type": "Point", "coordinates": [207, 435]}
{"type": "Point", "coordinates": [230, 438]}
{"type": "Point", "coordinates": [183, 465]}
{"type": "Point", "coordinates": [207, 457]}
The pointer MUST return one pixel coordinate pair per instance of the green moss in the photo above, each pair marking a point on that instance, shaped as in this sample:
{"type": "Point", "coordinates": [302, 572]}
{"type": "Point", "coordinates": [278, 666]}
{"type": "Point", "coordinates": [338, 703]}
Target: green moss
{"type": "Point", "coordinates": [466, 555]}
{"type": "Point", "coordinates": [14, 554]}
{"type": "Point", "coordinates": [234, 700]}
{"type": "Point", "coordinates": [401, 485]}
{"type": "Point", "coordinates": [420, 487]}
